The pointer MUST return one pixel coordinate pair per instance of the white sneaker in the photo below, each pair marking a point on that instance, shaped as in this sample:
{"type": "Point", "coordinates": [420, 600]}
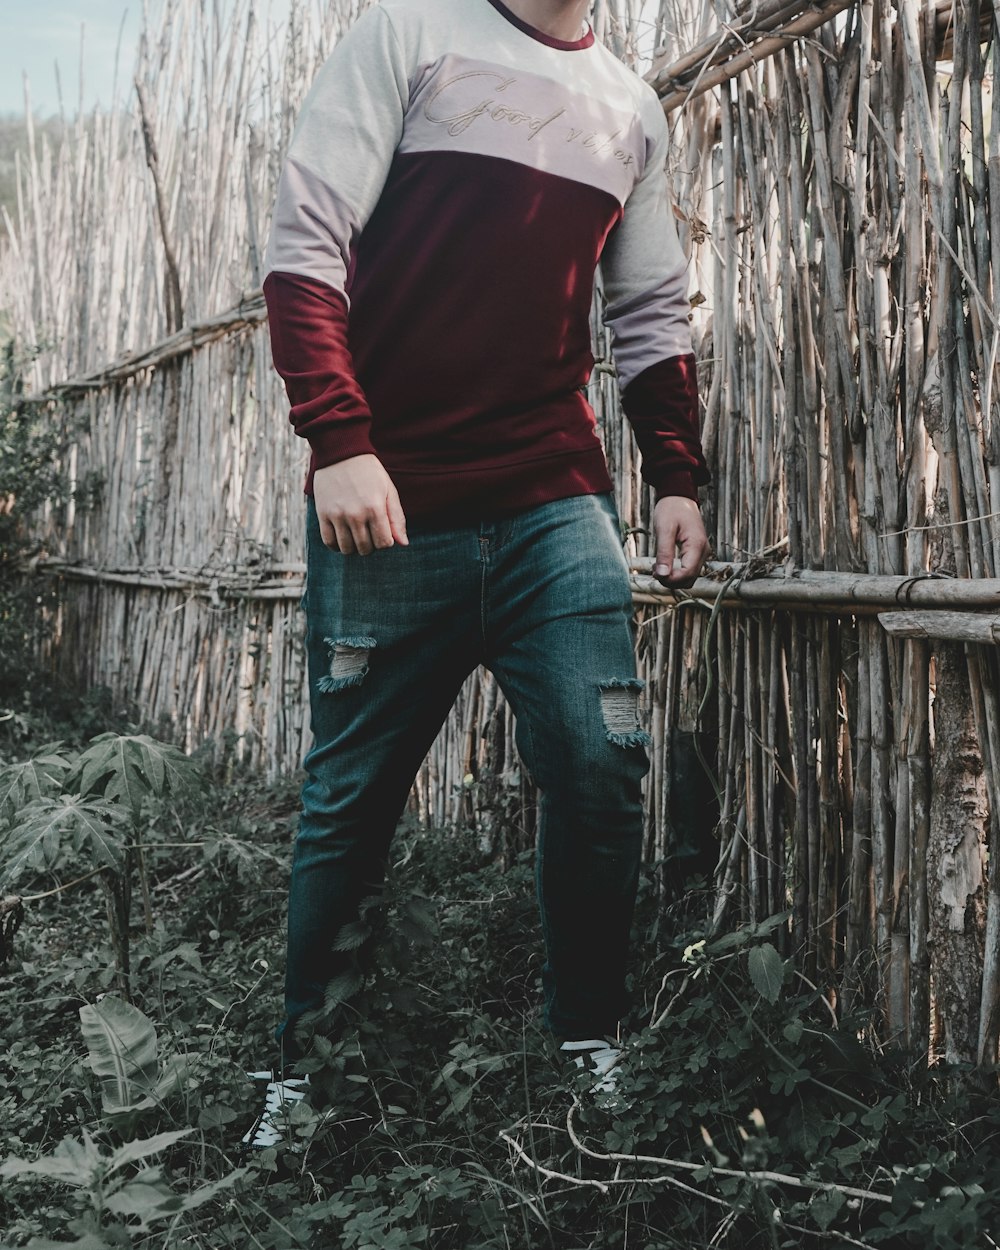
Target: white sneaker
{"type": "Point", "coordinates": [601, 1058]}
{"type": "Point", "coordinates": [269, 1129]}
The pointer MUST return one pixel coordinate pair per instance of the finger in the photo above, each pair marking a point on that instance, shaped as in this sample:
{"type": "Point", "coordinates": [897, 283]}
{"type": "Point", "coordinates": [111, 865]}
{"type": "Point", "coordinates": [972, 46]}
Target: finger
{"type": "Point", "coordinates": [345, 540]}
{"type": "Point", "coordinates": [692, 556]}
{"type": "Point", "coordinates": [362, 538]}
{"type": "Point", "coordinates": [328, 533]}
{"type": "Point", "coordinates": [663, 566]}
{"type": "Point", "coordinates": [397, 521]}
{"type": "Point", "coordinates": [378, 528]}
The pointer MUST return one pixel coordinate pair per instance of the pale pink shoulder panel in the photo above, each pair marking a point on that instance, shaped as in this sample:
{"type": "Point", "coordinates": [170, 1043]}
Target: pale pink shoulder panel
{"type": "Point", "coordinates": [458, 104]}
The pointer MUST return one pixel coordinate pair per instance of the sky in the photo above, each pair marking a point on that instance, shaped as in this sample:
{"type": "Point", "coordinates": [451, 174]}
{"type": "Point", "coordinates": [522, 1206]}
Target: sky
{"type": "Point", "coordinates": [39, 33]}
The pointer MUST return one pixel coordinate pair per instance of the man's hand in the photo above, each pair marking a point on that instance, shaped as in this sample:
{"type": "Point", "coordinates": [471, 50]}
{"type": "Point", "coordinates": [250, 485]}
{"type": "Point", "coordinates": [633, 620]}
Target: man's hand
{"type": "Point", "coordinates": [679, 531]}
{"type": "Point", "coordinates": [358, 507]}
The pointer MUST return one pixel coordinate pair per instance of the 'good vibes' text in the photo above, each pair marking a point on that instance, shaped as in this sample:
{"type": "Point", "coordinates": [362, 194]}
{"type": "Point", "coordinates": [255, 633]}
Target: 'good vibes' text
{"type": "Point", "coordinates": [446, 107]}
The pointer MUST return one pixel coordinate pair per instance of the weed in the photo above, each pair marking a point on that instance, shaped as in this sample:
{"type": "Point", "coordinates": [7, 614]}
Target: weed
{"type": "Point", "coordinates": [62, 811]}
{"type": "Point", "coordinates": [440, 1119]}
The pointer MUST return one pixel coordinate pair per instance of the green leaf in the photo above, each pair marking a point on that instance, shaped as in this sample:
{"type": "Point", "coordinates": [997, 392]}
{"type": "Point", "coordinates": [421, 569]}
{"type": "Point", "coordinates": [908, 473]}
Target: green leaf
{"type": "Point", "coordinates": [74, 1163]}
{"type": "Point", "coordinates": [352, 936]}
{"type": "Point", "coordinates": [459, 1101]}
{"type": "Point", "coordinates": [97, 830]}
{"type": "Point", "coordinates": [154, 766]}
{"type": "Point", "coordinates": [179, 772]}
{"type": "Point", "coordinates": [825, 1207]}
{"type": "Point", "coordinates": [145, 1197]}
{"type": "Point", "coordinates": [749, 933]}
{"type": "Point", "coordinates": [171, 1077]}
{"type": "Point", "coordinates": [763, 927]}
{"type": "Point", "coordinates": [122, 1046]}
{"type": "Point", "coordinates": [142, 1148]}
{"type": "Point", "coordinates": [793, 1030]}
{"type": "Point", "coordinates": [785, 1081]}
{"type": "Point", "coordinates": [207, 1192]}
{"type": "Point", "coordinates": [766, 971]}
{"type": "Point", "coordinates": [125, 783]}
{"type": "Point", "coordinates": [34, 845]}
{"type": "Point", "coordinates": [39, 777]}
{"type": "Point", "coordinates": [419, 913]}
{"type": "Point", "coordinates": [56, 832]}
{"type": "Point", "coordinates": [342, 987]}
{"type": "Point", "coordinates": [216, 1116]}
{"type": "Point", "coordinates": [728, 941]}
{"type": "Point", "coordinates": [96, 763]}
{"type": "Point", "coordinates": [148, 1197]}
{"type": "Point", "coordinates": [128, 768]}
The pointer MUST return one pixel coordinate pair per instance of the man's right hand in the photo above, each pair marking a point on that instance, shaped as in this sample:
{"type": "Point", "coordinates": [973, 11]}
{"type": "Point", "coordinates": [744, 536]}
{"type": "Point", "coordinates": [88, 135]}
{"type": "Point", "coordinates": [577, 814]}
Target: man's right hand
{"type": "Point", "coordinates": [358, 506]}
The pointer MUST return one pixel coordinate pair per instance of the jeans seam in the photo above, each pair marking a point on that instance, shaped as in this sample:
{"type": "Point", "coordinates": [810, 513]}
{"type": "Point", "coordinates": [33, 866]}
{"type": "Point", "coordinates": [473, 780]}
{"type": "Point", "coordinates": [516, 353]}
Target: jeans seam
{"type": "Point", "coordinates": [540, 840]}
{"type": "Point", "coordinates": [482, 593]}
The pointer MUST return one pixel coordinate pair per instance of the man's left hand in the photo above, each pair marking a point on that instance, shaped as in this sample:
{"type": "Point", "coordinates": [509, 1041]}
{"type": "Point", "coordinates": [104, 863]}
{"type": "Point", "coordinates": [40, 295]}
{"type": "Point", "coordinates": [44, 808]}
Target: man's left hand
{"type": "Point", "coordinates": [680, 532]}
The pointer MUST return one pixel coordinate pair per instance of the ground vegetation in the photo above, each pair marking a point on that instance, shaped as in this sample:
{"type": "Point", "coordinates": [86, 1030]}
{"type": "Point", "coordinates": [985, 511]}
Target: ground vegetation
{"type": "Point", "coordinates": [754, 1113]}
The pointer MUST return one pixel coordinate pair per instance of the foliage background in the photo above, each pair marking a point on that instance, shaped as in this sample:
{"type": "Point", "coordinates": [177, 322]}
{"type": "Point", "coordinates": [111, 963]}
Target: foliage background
{"type": "Point", "coordinates": [440, 1117]}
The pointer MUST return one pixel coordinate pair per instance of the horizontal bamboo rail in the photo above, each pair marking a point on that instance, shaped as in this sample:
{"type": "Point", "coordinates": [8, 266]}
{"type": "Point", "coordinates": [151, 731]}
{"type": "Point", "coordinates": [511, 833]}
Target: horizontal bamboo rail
{"type": "Point", "coordinates": [246, 583]}
{"type": "Point", "coordinates": [721, 44]}
{"type": "Point", "coordinates": [846, 591]}
{"type": "Point", "coordinates": [770, 27]}
{"type": "Point", "coordinates": [946, 626]}
{"type": "Point", "coordinates": [245, 315]}
{"type": "Point", "coordinates": [705, 79]}
{"type": "Point", "coordinates": [726, 585]}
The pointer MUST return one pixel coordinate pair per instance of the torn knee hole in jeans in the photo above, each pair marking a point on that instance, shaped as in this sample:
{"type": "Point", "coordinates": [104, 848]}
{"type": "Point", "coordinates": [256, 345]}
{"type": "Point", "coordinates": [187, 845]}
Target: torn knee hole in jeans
{"type": "Point", "coordinates": [348, 663]}
{"type": "Point", "coordinates": [620, 707]}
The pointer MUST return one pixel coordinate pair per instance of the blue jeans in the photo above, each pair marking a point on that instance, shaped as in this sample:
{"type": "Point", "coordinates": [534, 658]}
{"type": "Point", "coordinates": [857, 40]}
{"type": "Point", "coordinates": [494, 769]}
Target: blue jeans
{"type": "Point", "coordinates": [541, 599]}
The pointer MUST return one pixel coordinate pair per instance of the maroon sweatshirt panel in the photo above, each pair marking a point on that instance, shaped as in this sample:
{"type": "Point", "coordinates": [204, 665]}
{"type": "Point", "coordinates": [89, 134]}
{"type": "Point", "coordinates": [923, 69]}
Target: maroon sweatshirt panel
{"type": "Point", "coordinates": [308, 325]}
{"type": "Point", "coordinates": [470, 349]}
{"type": "Point", "coordinates": [662, 405]}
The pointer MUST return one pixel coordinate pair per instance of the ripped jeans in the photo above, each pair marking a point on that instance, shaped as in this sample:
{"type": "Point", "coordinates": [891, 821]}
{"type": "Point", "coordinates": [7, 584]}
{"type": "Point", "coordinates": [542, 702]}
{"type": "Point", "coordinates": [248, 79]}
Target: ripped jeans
{"type": "Point", "coordinates": [541, 599]}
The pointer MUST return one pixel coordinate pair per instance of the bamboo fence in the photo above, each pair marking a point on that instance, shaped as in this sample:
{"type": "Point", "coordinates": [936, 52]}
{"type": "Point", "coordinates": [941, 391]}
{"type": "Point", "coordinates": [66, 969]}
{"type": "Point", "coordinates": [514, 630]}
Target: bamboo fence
{"type": "Point", "coordinates": [823, 702]}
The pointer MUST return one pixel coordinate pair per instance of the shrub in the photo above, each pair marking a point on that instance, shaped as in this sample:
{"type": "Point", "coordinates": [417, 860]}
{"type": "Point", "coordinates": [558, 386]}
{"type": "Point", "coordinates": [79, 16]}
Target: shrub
{"type": "Point", "coordinates": [63, 811]}
{"type": "Point", "coordinates": [30, 478]}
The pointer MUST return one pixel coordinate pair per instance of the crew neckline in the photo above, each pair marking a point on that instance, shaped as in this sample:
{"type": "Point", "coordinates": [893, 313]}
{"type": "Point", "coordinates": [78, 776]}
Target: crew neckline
{"type": "Point", "coordinates": [564, 45]}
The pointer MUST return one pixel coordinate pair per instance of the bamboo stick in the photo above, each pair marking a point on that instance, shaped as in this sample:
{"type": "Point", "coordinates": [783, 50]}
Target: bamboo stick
{"type": "Point", "coordinates": [248, 313]}
{"type": "Point", "coordinates": [816, 592]}
{"type": "Point", "coordinates": [749, 585]}
{"type": "Point", "coordinates": [956, 626]}
{"type": "Point", "coordinates": [721, 43]}
{"type": "Point", "coordinates": [760, 51]}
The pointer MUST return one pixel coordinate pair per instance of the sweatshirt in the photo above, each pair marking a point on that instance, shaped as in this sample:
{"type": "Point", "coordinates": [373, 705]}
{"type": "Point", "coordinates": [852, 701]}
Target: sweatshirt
{"type": "Point", "coordinates": [454, 179]}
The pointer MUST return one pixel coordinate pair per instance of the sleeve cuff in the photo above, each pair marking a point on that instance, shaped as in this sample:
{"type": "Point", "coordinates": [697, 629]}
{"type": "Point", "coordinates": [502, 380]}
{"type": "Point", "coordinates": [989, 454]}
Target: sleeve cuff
{"type": "Point", "coordinates": [675, 482]}
{"type": "Point", "coordinates": [332, 443]}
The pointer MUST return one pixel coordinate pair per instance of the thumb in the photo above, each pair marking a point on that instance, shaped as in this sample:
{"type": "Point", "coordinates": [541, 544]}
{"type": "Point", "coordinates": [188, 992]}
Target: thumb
{"type": "Point", "coordinates": [397, 520]}
{"type": "Point", "coordinates": [663, 565]}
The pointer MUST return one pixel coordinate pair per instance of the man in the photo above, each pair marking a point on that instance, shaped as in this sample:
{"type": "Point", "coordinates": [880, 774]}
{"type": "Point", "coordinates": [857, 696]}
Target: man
{"type": "Point", "coordinates": [458, 170]}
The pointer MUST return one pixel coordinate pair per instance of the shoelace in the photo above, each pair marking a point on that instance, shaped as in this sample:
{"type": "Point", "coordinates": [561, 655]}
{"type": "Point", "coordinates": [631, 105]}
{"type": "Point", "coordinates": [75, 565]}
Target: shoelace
{"type": "Point", "coordinates": [278, 1096]}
